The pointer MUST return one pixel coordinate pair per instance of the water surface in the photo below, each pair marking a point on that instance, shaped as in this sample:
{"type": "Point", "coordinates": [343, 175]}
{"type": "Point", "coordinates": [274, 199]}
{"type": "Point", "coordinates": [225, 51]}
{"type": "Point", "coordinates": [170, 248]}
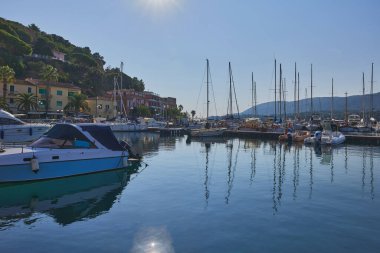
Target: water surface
{"type": "Point", "coordinates": [221, 195]}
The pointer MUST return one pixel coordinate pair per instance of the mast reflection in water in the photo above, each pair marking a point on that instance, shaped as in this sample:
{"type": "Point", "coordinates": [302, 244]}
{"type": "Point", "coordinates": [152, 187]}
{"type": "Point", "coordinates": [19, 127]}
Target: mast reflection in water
{"type": "Point", "coordinates": [211, 195]}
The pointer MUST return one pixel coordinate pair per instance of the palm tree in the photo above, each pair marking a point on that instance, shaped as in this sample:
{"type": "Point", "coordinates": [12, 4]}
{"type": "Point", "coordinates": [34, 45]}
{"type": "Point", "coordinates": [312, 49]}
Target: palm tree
{"type": "Point", "coordinates": [48, 74]}
{"type": "Point", "coordinates": [192, 115]}
{"type": "Point", "coordinates": [180, 108]}
{"type": "Point", "coordinates": [26, 102]}
{"type": "Point", "coordinates": [76, 103]}
{"type": "Point", "coordinates": [7, 75]}
{"type": "Point", "coordinates": [3, 104]}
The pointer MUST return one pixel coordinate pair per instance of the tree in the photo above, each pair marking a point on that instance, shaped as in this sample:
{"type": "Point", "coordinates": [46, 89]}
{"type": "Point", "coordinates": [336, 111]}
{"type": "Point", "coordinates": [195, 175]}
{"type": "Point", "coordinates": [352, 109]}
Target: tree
{"type": "Point", "coordinates": [192, 114]}
{"type": "Point", "coordinates": [180, 108]}
{"type": "Point", "coordinates": [26, 102]}
{"type": "Point", "coordinates": [3, 104]}
{"type": "Point", "coordinates": [7, 75]}
{"type": "Point", "coordinates": [77, 102]}
{"type": "Point", "coordinates": [48, 74]}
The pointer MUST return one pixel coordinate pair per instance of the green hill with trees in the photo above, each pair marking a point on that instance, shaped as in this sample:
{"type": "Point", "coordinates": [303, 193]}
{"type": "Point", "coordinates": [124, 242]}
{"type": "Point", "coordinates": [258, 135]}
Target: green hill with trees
{"type": "Point", "coordinates": [28, 50]}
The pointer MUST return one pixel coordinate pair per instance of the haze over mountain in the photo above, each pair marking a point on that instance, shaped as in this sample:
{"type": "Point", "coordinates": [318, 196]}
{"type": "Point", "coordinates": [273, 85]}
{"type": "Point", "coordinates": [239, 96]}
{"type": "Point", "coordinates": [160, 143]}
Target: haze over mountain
{"type": "Point", "coordinates": [355, 105]}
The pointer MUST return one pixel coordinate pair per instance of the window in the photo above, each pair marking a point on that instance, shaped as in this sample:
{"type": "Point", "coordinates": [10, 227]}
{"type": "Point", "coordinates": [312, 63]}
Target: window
{"type": "Point", "coordinates": [42, 102]}
{"type": "Point", "coordinates": [71, 93]}
{"type": "Point", "coordinates": [11, 88]}
{"type": "Point", "coordinates": [42, 91]}
{"type": "Point", "coordinates": [29, 89]}
{"type": "Point", "coordinates": [11, 101]}
{"type": "Point", "coordinates": [59, 93]}
{"type": "Point", "coordinates": [59, 103]}
{"type": "Point", "coordinates": [107, 107]}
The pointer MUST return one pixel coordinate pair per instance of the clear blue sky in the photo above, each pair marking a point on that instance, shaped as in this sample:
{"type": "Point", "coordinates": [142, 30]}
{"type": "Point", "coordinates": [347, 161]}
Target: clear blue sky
{"type": "Point", "coordinates": [166, 42]}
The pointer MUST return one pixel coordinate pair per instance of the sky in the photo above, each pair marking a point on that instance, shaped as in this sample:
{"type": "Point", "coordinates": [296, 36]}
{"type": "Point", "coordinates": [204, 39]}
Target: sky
{"type": "Point", "coordinates": [166, 43]}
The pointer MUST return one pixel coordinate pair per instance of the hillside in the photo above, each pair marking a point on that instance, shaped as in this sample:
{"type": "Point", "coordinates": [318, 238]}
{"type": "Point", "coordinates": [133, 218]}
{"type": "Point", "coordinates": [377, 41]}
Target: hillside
{"type": "Point", "coordinates": [323, 105]}
{"type": "Point", "coordinates": [27, 50]}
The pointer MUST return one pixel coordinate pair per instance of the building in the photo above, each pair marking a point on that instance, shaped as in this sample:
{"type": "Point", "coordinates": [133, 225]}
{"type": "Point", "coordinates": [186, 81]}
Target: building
{"type": "Point", "coordinates": [102, 107]}
{"type": "Point", "coordinates": [17, 87]}
{"type": "Point", "coordinates": [52, 97]}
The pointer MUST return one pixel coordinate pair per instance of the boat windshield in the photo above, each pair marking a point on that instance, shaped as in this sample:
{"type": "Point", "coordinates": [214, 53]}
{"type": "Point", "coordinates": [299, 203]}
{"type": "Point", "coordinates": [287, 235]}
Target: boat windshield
{"type": "Point", "coordinates": [63, 136]}
{"type": "Point", "coordinates": [48, 142]}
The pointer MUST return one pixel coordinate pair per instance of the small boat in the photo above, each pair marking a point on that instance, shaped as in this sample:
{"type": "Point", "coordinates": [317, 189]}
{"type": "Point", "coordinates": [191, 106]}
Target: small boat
{"type": "Point", "coordinates": [313, 139]}
{"type": "Point", "coordinates": [65, 150]}
{"type": "Point", "coordinates": [14, 130]}
{"type": "Point", "coordinates": [332, 138]}
{"type": "Point", "coordinates": [300, 136]}
{"type": "Point", "coordinates": [326, 137]}
{"type": "Point", "coordinates": [208, 132]}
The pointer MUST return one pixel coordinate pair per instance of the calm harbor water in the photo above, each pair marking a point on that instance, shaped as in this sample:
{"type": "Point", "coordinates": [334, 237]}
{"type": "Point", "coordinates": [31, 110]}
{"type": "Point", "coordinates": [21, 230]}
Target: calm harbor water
{"type": "Point", "coordinates": [221, 195]}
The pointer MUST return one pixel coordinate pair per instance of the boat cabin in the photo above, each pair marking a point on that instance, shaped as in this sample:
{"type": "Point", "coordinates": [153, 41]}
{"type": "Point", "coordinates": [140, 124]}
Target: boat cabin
{"type": "Point", "coordinates": [69, 136]}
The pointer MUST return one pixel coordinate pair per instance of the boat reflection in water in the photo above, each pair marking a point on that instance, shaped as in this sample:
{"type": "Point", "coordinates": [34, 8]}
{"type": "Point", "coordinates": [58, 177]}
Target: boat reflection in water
{"type": "Point", "coordinates": [142, 143]}
{"type": "Point", "coordinates": [67, 199]}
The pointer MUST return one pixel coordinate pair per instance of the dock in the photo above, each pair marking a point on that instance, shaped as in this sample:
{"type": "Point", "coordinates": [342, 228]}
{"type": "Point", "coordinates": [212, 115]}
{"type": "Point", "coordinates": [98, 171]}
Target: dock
{"type": "Point", "coordinates": [363, 139]}
{"type": "Point", "coordinates": [172, 131]}
{"type": "Point", "coordinates": [253, 134]}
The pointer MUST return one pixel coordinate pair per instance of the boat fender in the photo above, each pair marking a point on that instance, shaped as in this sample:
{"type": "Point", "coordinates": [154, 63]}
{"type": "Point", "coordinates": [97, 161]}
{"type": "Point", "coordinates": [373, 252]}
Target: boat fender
{"type": "Point", "coordinates": [30, 131]}
{"type": "Point", "coordinates": [35, 164]}
{"type": "Point", "coordinates": [2, 134]}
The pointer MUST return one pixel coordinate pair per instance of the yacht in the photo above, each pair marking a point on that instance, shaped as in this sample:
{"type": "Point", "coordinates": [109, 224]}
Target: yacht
{"type": "Point", "coordinates": [65, 150]}
{"type": "Point", "coordinates": [14, 130]}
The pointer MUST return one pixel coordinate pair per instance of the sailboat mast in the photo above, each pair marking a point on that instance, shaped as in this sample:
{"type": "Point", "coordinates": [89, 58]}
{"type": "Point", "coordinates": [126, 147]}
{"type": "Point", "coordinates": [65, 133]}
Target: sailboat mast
{"type": "Point", "coordinates": [230, 97]}
{"type": "Point", "coordinates": [280, 91]}
{"type": "Point", "coordinates": [346, 112]}
{"type": "Point", "coordinates": [255, 101]}
{"type": "Point", "coordinates": [363, 107]}
{"type": "Point", "coordinates": [275, 90]}
{"type": "Point", "coordinates": [253, 109]}
{"type": "Point", "coordinates": [207, 84]}
{"type": "Point", "coordinates": [298, 96]}
{"type": "Point", "coordinates": [371, 99]}
{"type": "Point", "coordinates": [114, 98]}
{"type": "Point", "coordinates": [332, 98]}
{"type": "Point", "coordinates": [311, 88]}
{"type": "Point", "coordinates": [284, 97]}
{"type": "Point", "coordinates": [295, 89]}
{"type": "Point", "coordinates": [121, 88]}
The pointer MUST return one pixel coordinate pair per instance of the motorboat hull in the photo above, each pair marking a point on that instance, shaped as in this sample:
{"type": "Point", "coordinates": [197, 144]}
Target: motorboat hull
{"type": "Point", "coordinates": [58, 169]}
{"type": "Point", "coordinates": [21, 133]}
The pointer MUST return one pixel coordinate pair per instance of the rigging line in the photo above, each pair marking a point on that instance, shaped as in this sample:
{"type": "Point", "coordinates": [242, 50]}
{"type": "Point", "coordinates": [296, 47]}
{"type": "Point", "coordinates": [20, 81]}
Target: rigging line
{"type": "Point", "coordinates": [237, 106]}
{"type": "Point", "coordinates": [212, 90]}
{"type": "Point", "coordinates": [200, 90]}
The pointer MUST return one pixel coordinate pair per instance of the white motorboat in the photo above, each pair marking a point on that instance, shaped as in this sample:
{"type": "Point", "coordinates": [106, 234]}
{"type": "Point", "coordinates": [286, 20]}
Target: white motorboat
{"type": "Point", "coordinates": [14, 130]}
{"type": "Point", "coordinates": [127, 126]}
{"type": "Point", "coordinates": [326, 137]}
{"type": "Point", "coordinates": [65, 150]}
{"type": "Point", "coordinates": [332, 138]}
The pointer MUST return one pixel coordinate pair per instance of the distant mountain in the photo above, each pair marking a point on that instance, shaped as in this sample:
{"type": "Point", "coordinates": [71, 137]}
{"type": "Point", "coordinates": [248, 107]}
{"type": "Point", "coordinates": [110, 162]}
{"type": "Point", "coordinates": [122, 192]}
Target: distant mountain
{"type": "Point", "coordinates": [322, 105]}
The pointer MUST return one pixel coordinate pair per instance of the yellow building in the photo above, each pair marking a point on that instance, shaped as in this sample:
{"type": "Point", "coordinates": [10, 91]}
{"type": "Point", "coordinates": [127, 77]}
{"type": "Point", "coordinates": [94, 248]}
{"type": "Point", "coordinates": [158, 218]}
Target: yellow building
{"type": "Point", "coordinates": [55, 94]}
{"type": "Point", "coordinates": [101, 107]}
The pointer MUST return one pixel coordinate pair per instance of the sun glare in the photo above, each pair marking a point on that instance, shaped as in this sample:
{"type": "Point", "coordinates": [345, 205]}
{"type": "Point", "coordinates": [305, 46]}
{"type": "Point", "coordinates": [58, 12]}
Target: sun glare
{"type": "Point", "coordinates": [159, 6]}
